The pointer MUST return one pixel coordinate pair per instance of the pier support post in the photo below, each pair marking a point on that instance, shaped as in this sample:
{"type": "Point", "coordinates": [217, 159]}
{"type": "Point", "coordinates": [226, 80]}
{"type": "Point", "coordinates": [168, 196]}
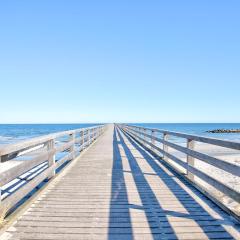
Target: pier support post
{"type": "Point", "coordinates": [190, 160]}
{"type": "Point", "coordinates": [51, 157]}
{"type": "Point", "coordinates": [165, 147]}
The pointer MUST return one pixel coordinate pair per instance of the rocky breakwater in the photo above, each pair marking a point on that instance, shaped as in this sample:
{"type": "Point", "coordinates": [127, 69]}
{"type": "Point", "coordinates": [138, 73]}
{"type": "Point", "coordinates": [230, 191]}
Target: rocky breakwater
{"type": "Point", "coordinates": [224, 131]}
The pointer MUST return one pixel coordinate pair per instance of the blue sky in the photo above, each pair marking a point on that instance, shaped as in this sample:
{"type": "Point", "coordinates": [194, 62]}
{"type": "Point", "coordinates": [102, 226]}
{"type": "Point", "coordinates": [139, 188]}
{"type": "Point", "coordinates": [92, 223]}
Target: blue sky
{"type": "Point", "coordinates": [119, 61]}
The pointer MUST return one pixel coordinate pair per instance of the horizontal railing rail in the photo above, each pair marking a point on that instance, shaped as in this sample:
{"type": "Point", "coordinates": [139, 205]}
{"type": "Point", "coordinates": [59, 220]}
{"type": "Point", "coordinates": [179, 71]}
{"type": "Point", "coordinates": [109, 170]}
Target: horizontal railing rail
{"type": "Point", "coordinates": [157, 140]}
{"type": "Point", "coordinates": [27, 164]}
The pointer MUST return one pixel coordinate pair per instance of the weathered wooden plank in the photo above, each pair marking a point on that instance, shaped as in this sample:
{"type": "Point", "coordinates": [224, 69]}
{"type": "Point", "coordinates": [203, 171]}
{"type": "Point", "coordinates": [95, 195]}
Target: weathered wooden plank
{"type": "Point", "coordinates": [153, 229]}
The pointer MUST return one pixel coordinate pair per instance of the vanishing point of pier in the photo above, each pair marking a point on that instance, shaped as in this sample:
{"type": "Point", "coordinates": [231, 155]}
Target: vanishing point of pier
{"type": "Point", "coordinates": [115, 182]}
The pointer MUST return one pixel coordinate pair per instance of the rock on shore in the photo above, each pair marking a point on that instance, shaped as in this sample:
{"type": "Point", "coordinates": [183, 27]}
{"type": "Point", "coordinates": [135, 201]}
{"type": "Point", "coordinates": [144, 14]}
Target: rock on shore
{"type": "Point", "coordinates": [224, 131]}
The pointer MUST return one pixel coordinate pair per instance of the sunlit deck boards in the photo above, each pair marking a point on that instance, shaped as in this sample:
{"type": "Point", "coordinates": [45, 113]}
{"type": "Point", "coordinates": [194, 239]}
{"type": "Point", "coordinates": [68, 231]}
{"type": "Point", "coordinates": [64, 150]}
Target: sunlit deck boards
{"type": "Point", "coordinates": [117, 190]}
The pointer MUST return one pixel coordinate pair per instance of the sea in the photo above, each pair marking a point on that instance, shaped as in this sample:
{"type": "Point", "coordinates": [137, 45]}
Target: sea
{"type": "Point", "coordinates": [12, 133]}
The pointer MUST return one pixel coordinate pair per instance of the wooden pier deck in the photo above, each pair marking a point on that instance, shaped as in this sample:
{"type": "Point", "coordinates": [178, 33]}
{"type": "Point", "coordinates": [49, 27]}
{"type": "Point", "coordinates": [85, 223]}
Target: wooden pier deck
{"type": "Point", "coordinates": [118, 190]}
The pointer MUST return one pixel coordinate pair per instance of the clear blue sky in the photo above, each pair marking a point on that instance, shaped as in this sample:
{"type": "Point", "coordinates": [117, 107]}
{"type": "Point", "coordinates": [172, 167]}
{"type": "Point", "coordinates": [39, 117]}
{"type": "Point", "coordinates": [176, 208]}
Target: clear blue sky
{"type": "Point", "coordinates": [119, 61]}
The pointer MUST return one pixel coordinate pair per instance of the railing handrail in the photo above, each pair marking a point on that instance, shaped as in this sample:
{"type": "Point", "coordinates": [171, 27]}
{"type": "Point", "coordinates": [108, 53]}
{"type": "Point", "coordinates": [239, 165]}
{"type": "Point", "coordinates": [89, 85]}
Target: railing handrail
{"type": "Point", "coordinates": [148, 138]}
{"type": "Point", "coordinates": [31, 142]}
{"type": "Point", "coordinates": [24, 176]}
{"type": "Point", "coordinates": [210, 140]}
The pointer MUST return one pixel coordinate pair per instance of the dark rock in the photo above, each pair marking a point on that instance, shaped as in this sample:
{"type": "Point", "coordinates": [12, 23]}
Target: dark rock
{"type": "Point", "coordinates": [224, 131]}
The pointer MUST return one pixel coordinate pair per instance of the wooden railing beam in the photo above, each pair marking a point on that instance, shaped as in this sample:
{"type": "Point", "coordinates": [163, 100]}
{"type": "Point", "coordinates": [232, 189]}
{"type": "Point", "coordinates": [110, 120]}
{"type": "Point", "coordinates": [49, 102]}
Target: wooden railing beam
{"type": "Point", "coordinates": [192, 154]}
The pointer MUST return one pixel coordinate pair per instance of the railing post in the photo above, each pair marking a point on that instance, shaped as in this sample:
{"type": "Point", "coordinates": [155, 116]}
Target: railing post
{"type": "Point", "coordinates": [165, 147]}
{"type": "Point", "coordinates": [51, 157]}
{"type": "Point", "coordinates": [94, 134]}
{"type": "Point", "coordinates": [0, 186]}
{"type": "Point", "coordinates": [97, 132]}
{"type": "Point", "coordinates": [3, 158]}
{"type": "Point", "coordinates": [145, 138]}
{"type": "Point", "coordinates": [190, 160]}
{"type": "Point", "coordinates": [89, 138]}
{"type": "Point", "coordinates": [72, 148]}
{"type": "Point", "coordinates": [141, 135]}
{"type": "Point", "coordinates": [152, 139]}
{"type": "Point", "coordinates": [82, 139]}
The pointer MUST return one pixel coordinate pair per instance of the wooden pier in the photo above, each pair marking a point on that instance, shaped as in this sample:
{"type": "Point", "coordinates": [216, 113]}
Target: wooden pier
{"type": "Point", "coordinates": [115, 185]}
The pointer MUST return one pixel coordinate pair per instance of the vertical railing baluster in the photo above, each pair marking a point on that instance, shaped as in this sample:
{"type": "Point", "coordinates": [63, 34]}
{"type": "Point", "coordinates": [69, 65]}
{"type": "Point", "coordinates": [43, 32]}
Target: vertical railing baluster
{"type": "Point", "coordinates": [51, 157]}
{"type": "Point", "coordinates": [190, 160]}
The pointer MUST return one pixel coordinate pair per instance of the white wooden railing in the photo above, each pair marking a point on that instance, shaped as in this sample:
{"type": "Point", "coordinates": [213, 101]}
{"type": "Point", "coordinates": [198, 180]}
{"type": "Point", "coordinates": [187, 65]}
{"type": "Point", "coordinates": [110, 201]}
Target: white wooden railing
{"type": "Point", "coordinates": [158, 142]}
{"type": "Point", "coordinates": [27, 164]}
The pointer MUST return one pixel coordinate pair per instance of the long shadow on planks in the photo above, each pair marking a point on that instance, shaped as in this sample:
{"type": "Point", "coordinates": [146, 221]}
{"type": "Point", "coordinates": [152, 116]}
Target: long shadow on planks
{"type": "Point", "coordinates": [121, 223]}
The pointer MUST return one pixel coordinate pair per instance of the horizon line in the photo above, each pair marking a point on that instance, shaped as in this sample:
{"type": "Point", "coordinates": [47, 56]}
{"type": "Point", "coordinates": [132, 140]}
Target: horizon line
{"type": "Point", "coordinates": [12, 123]}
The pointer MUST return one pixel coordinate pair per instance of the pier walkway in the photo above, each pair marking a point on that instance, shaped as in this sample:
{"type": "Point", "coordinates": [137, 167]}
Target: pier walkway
{"type": "Point", "coordinates": [118, 190]}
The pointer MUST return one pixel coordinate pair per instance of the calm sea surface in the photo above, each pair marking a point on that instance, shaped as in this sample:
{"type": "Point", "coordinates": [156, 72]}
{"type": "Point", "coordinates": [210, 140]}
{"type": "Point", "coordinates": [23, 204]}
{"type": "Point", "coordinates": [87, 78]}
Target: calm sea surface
{"type": "Point", "coordinates": [11, 133]}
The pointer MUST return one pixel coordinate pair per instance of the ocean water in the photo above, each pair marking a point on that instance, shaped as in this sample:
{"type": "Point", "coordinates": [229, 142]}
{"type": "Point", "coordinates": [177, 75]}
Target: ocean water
{"type": "Point", "coordinates": [11, 133]}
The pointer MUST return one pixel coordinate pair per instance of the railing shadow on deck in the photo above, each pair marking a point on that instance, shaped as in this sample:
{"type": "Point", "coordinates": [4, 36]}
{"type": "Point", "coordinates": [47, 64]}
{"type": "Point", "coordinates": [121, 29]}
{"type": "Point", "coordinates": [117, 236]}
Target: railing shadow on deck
{"type": "Point", "coordinates": [120, 195]}
{"type": "Point", "coordinates": [146, 194]}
